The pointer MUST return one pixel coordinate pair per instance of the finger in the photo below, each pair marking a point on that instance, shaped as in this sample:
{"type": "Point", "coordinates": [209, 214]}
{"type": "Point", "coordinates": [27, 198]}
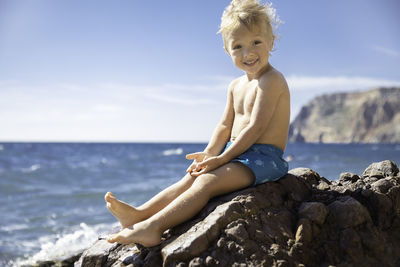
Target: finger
{"type": "Point", "coordinates": [192, 155]}
{"type": "Point", "coordinates": [198, 173]}
{"type": "Point", "coordinates": [203, 164]}
{"type": "Point", "coordinates": [195, 174]}
{"type": "Point", "coordinates": [191, 167]}
{"type": "Point", "coordinates": [200, 166]}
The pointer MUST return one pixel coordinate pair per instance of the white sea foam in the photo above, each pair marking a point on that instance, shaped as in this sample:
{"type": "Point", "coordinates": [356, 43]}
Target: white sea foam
{"type": "Point", "coordinates": [14, 227]}
{"type": "Point", "coordinates": [170, 152]}
{"type": "Point", "coordinates": [31, 168]}
{"type": "Point", "coordinates": [63, 246]}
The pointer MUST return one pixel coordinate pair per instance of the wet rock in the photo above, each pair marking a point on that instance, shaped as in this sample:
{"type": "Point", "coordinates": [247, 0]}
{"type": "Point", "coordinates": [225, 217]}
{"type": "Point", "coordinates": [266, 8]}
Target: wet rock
{"type": "Point", "coordinates": [300, 220]}
{"type": "Point", "coordinates": [97, 255]}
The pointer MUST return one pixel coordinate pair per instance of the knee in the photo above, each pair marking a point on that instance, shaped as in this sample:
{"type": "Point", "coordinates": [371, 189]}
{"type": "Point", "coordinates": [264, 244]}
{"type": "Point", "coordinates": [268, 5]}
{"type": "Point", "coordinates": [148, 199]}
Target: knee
{"type": "Point", "coordinates": [204, 183]}
{"type": "Point", "coordinates": [187, 180]}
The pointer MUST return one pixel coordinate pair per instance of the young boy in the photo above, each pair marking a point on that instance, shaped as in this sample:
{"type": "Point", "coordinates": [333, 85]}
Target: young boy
{"type": "Point", "coordinates": [247, 145]}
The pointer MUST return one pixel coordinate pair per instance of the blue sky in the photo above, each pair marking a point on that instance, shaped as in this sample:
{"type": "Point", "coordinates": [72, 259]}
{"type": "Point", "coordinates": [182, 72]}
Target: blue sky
{"type": "Point", "coordinates": [156, 70]}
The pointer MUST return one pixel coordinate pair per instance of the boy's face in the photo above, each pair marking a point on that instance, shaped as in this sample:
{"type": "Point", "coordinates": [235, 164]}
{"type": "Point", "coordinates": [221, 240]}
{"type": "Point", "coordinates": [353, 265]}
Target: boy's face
{"type": "Point", "coordinates": [249, 50]}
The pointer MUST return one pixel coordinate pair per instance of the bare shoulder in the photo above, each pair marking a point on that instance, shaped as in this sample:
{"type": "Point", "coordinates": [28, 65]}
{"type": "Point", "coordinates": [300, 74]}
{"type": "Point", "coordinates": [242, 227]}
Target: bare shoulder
{"type": "Point", "coordinates": [273, 81]}
{"type": "Point", "coordinates": [234, 84]}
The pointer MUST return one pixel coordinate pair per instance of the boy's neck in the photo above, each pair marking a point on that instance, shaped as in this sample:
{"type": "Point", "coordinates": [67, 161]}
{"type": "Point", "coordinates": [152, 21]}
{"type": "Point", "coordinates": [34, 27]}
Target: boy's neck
{"type": "Point", "coordinates": [256, 76]}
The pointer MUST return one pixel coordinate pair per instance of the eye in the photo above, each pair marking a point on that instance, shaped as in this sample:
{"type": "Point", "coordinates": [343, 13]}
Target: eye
{"type": "Point", "coordinates": [257, 42]}
{"type": "Point", "coordinates": [236, 47]}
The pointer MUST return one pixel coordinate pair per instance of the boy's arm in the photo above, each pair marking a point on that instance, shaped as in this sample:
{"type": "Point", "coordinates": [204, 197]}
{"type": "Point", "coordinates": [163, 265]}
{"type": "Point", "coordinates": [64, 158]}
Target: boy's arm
{"type": "Point", "coordinates": [269, 91]}
{"type": "Point", "coordinates": [222, 132]}
{"type": "Point", "coordinates": [220, 137]}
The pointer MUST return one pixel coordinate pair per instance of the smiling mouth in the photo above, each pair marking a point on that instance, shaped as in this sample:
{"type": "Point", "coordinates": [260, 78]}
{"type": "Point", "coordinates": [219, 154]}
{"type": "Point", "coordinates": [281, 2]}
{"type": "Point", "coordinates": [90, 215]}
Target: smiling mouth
{"type": "Point", "coordinates": [251, 63]}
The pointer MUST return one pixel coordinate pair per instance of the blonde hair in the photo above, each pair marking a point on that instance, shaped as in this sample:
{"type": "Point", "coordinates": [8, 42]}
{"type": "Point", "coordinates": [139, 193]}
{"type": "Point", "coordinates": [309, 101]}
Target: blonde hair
{"type": "Point", "coordinates": [251, 14]}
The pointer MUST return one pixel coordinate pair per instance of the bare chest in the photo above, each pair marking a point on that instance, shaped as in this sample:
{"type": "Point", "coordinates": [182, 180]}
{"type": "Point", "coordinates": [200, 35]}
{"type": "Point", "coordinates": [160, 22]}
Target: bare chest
{"type": "Point", "coordinates": [244, 100]}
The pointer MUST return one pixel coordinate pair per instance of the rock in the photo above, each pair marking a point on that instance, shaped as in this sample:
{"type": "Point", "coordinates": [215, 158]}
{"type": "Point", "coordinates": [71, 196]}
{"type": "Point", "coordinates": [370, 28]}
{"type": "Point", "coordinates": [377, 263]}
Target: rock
{"type": "Point", "coordinates": [237, 232]}
{"type": "Point", "coordinates": [59, 263]}
{"type": "Point", "coordinates": [348, 177]}
{"type": "Point", "coordinates": [290, 222]}
{"type": "Point", "coordinates": [295, 186]}
{"type": "Point", "coordinates": [315, 211]}
{"type": "Point", "coordinates": [307, 174]}
{"type": "Point", "coordinates": [371, 116]}
{"type": "Point", "coordinates": [323, 186]}
{"type": "Point", "coordinates": [381, 169]}
{"type": "Point", "coordinates": [351, 243]}
{"type": "Point", "coordinates": [304, 231]}
{"type": "Point", "coordinates": [348, 212]}
{"type": "Point", "coordinates": [381, 186]}
{"type": "Point", "coordinates": [98, 254]}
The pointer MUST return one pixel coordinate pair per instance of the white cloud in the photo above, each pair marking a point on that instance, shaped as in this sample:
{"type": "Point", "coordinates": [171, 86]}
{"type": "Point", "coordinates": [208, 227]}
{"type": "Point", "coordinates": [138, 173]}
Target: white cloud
{"type": "Point", "coordinates": [386, 51]}
{"type": "Point", "coordinates": [336, 83]}
{"type": "Point", "coordinates": [187, 101]}
{"type": "Point", "coordinates": [107, 108]}
{"type": "Point", "coordinates": [129, 112]}
{"type": "Point", "coordinates": [109, 111]}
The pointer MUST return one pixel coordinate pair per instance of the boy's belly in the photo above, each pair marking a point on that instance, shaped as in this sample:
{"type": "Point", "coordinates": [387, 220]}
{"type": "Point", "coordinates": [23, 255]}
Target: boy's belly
{"type": "Point", "coordinates": [272, 135]}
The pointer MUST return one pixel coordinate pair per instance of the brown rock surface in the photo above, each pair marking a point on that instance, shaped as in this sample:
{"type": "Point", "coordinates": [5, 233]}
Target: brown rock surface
{"type": "Point", "coordinates": [291, 222]}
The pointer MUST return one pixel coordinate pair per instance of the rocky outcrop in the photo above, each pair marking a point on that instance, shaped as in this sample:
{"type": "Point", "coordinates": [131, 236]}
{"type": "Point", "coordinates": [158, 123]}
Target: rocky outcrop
{"type": "Point", "coordinates": [301, 220]}
{"type": "Point", "coordinates": [360, 117]}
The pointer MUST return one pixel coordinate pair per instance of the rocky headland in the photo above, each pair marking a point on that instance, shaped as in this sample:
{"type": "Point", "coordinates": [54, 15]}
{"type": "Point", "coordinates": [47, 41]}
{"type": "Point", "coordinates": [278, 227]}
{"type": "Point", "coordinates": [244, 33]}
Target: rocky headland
{"type": "Point", "coordinates": [301, 220]}
{"type": "Point", "coordinates": [359, 117]}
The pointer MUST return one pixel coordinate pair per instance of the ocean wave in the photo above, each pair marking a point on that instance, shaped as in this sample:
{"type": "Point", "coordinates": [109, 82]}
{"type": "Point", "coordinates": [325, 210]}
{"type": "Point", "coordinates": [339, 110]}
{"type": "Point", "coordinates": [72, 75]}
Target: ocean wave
{"type": "Point", "coordinates": [31, 168]}
{"type": "Point", "coordinates": [170, 152]}
{"type": "Point", "coordinates": [60, 247]}
{"type": "Point", "coordinates": [14, 227]}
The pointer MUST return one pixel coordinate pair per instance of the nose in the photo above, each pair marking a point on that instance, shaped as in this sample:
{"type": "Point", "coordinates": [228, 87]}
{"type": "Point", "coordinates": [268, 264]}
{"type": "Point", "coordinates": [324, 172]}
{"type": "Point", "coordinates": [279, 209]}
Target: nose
{"type": "Point", "coordinates": [248, 51]}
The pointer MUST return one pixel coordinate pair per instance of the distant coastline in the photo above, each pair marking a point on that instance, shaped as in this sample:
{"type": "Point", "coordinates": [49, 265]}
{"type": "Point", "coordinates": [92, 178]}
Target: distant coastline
{"type": "Point", "coordinates": [371, 116]}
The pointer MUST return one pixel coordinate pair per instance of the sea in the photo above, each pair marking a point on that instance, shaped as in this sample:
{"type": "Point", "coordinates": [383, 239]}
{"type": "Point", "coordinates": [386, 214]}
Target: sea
{"type": "Point", "coordinates": [52, 194]}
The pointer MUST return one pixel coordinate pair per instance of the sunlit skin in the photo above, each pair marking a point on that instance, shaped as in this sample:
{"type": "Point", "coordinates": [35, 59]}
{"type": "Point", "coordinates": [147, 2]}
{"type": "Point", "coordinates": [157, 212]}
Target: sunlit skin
{"type": "Point", "coordinates": [257, 111]}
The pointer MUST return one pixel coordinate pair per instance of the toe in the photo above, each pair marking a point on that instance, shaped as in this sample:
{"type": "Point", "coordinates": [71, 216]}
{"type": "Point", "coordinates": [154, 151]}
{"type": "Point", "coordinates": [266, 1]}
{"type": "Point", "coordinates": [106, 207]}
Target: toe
{"type": "Point", "coordinates": [106, 196]}
{"type": "Point", "coordinates": [109, 197]}
{"type": "Point", "coordinates": [112, 239]}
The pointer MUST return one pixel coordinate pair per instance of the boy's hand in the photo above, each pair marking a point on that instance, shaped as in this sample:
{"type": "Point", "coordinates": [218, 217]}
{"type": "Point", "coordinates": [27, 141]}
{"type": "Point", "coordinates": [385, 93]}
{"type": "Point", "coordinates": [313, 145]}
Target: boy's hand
{"type": "Point", "coordinates": [207, 165]}
{"type": "Point", "coordinates": [197, 158]}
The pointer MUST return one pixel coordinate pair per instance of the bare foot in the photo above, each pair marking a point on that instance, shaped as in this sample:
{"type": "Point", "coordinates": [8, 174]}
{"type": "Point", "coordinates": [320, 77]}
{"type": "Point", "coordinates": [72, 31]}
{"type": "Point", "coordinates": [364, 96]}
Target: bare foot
{"type": "Point", "coordinates": [125, 213]}
{"type": "Point", "coordinates": [141, 233]}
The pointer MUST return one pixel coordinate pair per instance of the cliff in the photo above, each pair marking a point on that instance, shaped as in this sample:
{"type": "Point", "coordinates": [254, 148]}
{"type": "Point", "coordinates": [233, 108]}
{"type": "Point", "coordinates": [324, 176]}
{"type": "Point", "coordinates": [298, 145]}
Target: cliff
{"type": "Point", "coordinates": [301, 220]}
{"type": "Point", "coordinates": [360, 117]}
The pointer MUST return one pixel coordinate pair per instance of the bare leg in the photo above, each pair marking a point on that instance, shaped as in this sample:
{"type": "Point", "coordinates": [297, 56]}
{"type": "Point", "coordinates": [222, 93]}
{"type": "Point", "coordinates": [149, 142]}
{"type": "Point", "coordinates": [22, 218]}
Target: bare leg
{"type": "Point", "coordinates": [128, 215]}
{"type": "Point", "coordinates": [228, 178]}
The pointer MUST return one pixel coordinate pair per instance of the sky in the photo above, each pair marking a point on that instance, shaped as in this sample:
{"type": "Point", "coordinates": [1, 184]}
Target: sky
{"type": "Point", "coordinates": [156, 71]}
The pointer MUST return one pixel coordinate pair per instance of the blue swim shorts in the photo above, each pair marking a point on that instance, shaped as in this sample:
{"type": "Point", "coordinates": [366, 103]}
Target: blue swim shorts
{"type": "Point", "coordinates": [265, 161]}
